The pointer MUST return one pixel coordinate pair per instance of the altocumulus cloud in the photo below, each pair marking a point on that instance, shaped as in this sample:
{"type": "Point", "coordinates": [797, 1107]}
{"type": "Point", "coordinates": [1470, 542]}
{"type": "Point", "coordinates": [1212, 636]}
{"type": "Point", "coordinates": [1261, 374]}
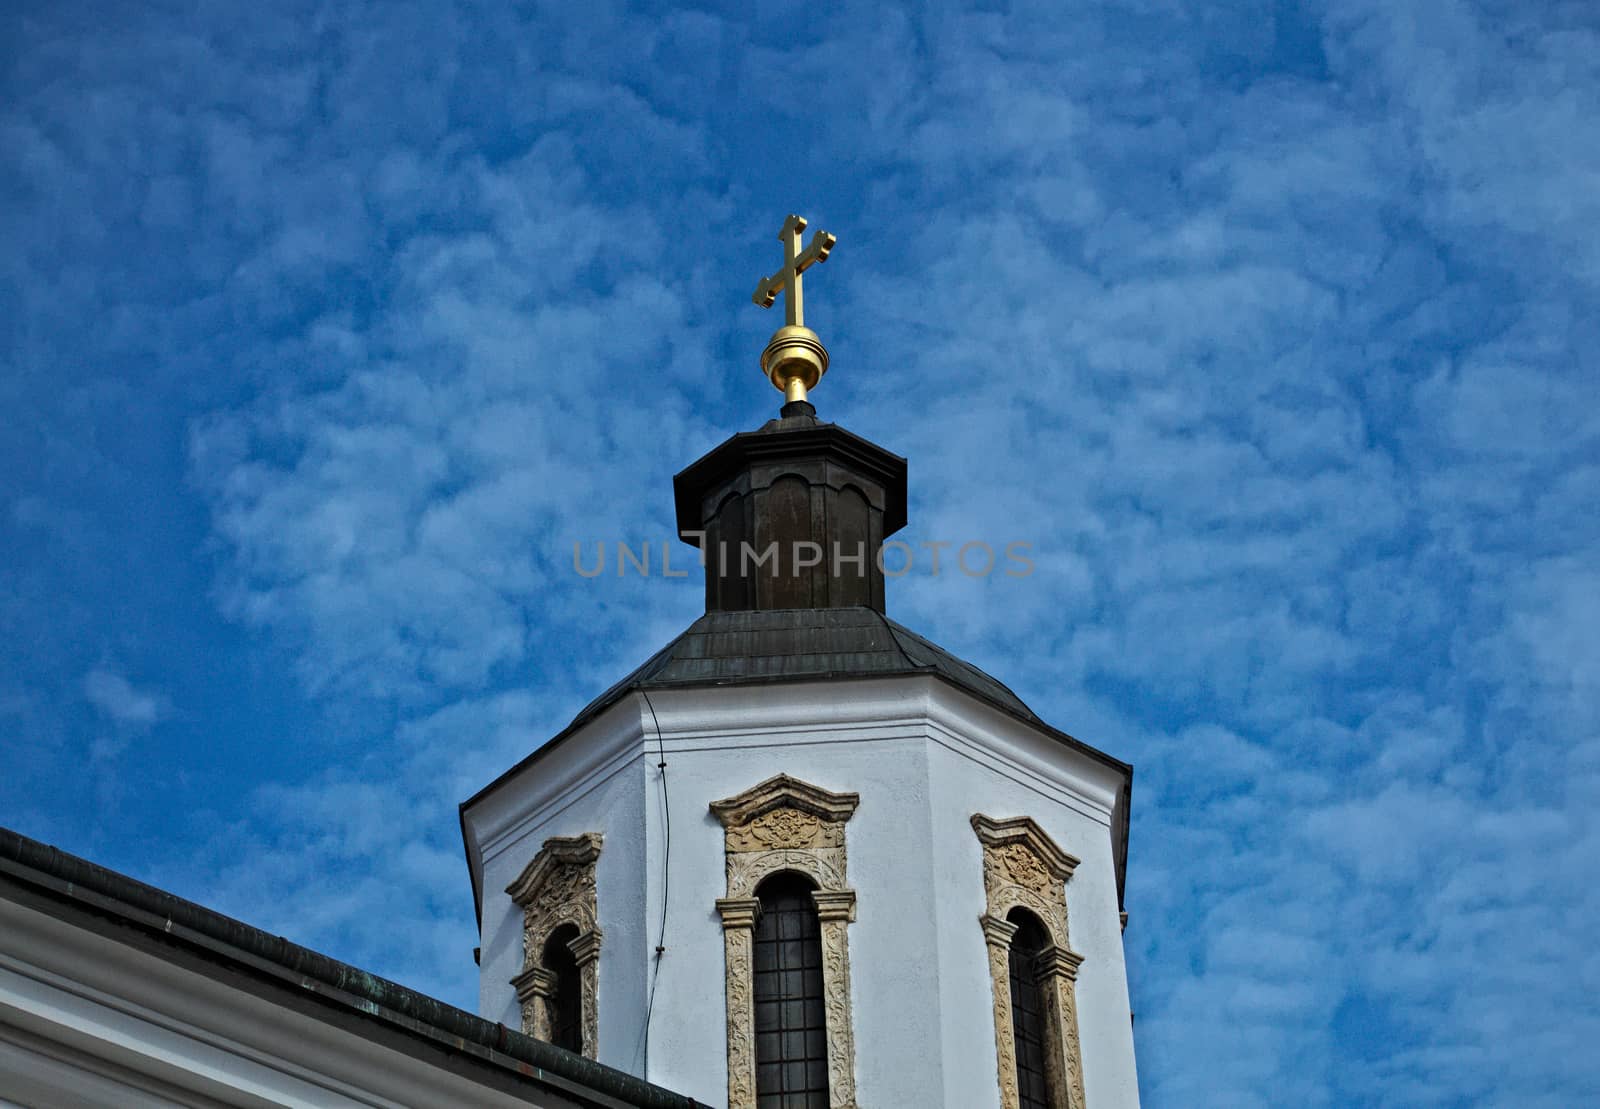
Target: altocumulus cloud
{"type": "Point", "coordinates": [1270, 326]}
{"type": "Point", "coordinates": [124, 711]}
{"type": "Point", "coordinates": [120, 702]}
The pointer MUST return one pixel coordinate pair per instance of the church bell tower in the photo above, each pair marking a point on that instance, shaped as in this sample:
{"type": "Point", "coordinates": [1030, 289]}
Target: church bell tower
{"type": "Point", "coordinates": [802, 856]}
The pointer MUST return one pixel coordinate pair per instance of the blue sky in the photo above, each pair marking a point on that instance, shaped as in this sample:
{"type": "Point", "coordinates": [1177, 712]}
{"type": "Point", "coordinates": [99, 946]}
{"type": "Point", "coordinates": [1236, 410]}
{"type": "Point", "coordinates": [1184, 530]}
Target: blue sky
{"type": "Point", "coordinates": [327, 329]}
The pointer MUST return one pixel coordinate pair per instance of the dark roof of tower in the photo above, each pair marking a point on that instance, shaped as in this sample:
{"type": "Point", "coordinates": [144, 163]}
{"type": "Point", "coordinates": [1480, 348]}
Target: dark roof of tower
{"type": "Point", "coordinates": [801, 621]}
{"type": "Point", "coordinates": [794, 435]}
{"type": "Point", "coordinates": [814, 644]}
{"type": "Point", "coordinates": [728, 648]}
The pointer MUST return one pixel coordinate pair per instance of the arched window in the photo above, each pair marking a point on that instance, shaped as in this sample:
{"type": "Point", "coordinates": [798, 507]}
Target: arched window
{"type": "Point", "coordinates": [790, 1027]}
{"type": "Point", "coordinates": [558, 988]}
{"type": "Point", "coordinates": [772, 832]}
{"type": "Point", "coordinates": [1032, 971]}
{"type": "Point", "coordinates": [565, 1002]}
{"type": "Point", "coordinates": [1028, 1014]}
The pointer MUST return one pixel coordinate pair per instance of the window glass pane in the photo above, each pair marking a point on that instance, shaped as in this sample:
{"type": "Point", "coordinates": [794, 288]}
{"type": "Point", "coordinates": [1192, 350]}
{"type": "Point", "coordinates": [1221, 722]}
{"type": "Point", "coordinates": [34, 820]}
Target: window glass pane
{"type": "Point", "coordinates": [566, 1003]}
{"type": "Point", "coordinates": [791, 1047]}
{"type": "Point", "coordinates": [1027, 1013]}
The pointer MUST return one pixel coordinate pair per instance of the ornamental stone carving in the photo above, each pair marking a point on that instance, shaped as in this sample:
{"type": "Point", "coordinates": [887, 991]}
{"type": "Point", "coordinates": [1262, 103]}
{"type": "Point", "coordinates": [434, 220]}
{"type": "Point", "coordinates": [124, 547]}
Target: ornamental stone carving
{"type": "Point", "coordinates": [557, 888]}
{"type": "Point", "coordinates": [1024, 869]}
{"type": "Point", "coordinates": [785, 824]}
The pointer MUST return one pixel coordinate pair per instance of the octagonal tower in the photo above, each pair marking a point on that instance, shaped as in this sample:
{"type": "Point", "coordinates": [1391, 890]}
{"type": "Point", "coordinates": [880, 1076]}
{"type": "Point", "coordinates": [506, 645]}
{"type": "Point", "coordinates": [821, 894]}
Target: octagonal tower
{"type": "Point", "coordinates": [802, 855]}
{"type": "Point", "coordinates": [928, 816]}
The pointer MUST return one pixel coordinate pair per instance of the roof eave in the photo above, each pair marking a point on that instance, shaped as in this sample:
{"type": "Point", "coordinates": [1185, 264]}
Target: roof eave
{"type": "Point", "coordinates": [164, 921]}
{"type": "Point", "coordinates": [617, 693]}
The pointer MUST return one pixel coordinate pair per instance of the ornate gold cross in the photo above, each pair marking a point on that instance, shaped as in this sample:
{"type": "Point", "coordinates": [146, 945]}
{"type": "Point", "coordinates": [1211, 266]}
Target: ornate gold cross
{"type": "Point", "coordinates": [795, 359]}
{"type": "Point", "coordinates": [795, 262]}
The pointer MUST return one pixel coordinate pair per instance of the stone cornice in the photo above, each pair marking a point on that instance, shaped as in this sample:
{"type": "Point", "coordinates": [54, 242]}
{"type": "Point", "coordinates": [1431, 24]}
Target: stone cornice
{"type": "Point", "coordinates": [783, 791]}
{"type": "Point", "coordinates": [1057, 960]}
{"type": "Point", "coordinates": [997, 931]}
{"type": "Point", "coordinates": [586, 948]}
{"type": "Point", "coordinates": [1022, 829]}
{"type": "Point", "coordinates": [557, 852]}
{"type": "Point", "coordinates": [739, 912]}
{"type": "Point", "coordinates": [534, 982]}
{"type": "Point", "coordinates": [835, 904]}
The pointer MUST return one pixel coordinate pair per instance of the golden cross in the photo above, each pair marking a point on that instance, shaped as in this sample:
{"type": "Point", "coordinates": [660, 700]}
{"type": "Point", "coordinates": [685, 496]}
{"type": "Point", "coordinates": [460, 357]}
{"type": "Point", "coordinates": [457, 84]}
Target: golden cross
{"type": "Point", "coordinates": [795, 262]}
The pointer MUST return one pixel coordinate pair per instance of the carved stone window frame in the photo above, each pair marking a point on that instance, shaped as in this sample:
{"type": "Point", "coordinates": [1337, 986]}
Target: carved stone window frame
{"type": "Point", "coordinates": [785, 824]}
{"type": "Point", "coordinates": [1024, 869]}
{"type": "Point", "coordinates": [557, 888]}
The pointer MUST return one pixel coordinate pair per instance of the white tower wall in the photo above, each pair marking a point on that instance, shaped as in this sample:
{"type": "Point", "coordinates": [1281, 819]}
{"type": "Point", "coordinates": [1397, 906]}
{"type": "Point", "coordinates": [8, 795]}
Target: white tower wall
{"type": "Point", "coordinates": [923, 757]}
{"type": "Point", "coordinates": [592, 783]}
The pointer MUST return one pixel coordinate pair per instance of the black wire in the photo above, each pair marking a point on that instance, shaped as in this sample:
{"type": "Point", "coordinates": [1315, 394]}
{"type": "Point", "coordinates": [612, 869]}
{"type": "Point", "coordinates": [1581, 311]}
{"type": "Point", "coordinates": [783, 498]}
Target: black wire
{"type": "Point", "coordinates": [666, 857]}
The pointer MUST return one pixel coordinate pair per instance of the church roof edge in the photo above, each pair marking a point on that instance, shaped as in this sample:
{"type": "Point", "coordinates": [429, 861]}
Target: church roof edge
{"type": "Point", "coordinates": [157, 917]}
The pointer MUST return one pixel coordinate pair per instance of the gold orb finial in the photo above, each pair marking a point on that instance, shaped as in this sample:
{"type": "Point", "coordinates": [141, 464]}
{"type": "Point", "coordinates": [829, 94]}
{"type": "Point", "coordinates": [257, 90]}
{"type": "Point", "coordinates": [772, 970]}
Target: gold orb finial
{"type": "Point", "coordinates": [795, 358]}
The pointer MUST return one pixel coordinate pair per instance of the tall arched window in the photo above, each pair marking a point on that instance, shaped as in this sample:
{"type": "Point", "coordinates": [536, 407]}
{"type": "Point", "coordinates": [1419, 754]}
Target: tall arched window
{"type": "Point", "coordinates": [558, 988]}
{"type": "Point", "coordinates": [566, 999]}
{"type": "Point", "coordinates": [790, 1025]}
{"type": "Point", "coordinates": [1029, 1019]}
{"type": "Point", "coordinates": [771, 832]}
{"type": "Point", "coordinates": [1032, 971]}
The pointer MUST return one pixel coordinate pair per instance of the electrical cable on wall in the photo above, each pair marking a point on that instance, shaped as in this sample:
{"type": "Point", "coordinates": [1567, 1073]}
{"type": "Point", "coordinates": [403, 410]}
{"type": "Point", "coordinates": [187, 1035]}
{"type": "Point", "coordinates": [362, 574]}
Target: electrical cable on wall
{"type": "Point", "coordinates": [666, 858]}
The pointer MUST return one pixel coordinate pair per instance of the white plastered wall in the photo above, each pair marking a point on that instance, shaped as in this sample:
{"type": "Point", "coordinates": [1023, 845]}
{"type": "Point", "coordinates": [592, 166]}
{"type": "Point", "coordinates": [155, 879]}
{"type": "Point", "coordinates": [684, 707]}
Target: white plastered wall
{"type": "Point", "coordinates": [923, 757]}
{"type": "Point", "coordinates": [722, 742]}
{"type": "Point", "coordinates": [593, 782]}
{"type": "Point", "coordinates": [980, 761]}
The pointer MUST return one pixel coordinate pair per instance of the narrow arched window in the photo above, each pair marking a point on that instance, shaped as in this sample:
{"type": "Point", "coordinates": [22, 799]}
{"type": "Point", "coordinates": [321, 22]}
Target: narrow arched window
{"type": "Point", "coordinates": [1028, 1011]}
{"type": "Point", "coordinates": [566, 999]}
{"type": "Point", "coordinates": [791, 1037]}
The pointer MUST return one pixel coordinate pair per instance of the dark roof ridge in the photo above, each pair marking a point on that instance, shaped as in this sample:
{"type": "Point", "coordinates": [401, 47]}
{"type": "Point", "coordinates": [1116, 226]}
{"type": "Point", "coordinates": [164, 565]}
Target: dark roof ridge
{"type": "Point", "coordinates": [901, 630]}
{"type": "Point", "coordinates": [895, 626]}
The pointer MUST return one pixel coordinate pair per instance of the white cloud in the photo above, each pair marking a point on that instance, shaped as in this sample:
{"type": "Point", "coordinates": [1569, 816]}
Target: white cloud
{"type": "Point", "coordinates": [1271, 329]}
{"type": "Point", "coordinates": [122, 703]}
